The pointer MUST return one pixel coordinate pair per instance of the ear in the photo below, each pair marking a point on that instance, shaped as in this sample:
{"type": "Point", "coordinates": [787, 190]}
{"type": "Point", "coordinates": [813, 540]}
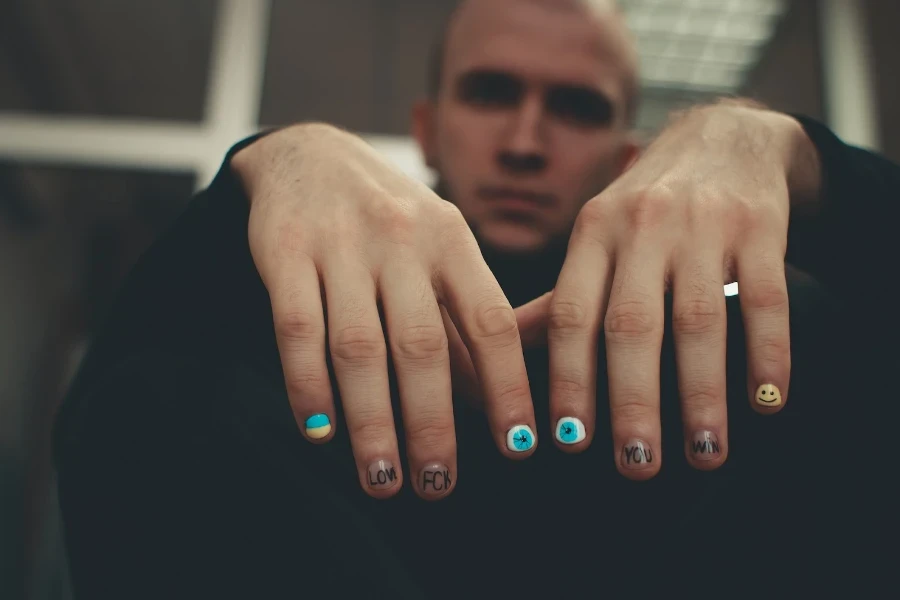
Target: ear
{"type": "Point", "coordinates": [423, 129]}
{"type": "Point", "coordinates": [631, 151]}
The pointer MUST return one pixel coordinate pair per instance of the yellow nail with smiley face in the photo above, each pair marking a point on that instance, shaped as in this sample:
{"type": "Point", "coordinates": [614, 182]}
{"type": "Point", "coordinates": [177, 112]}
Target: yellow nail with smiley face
{"type": "Point", "coordinates": [768, 395]}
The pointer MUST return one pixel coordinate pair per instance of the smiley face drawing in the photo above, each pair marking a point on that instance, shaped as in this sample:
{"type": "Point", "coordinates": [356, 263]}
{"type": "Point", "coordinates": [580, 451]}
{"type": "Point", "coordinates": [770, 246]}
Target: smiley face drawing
{"type": "Point", "coordinates": [768, 395]}
{"type": "Point", "coordinates": [569, 430]}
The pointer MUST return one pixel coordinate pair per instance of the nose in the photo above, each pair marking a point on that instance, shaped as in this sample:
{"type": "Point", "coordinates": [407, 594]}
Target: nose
{"type": "Point", "coordinates": [523, 151]}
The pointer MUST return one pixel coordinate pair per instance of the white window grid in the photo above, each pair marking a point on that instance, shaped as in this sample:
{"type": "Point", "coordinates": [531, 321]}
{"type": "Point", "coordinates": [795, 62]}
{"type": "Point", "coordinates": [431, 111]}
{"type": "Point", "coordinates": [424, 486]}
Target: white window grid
{"type": "Point", "coordinates": [231, 111]}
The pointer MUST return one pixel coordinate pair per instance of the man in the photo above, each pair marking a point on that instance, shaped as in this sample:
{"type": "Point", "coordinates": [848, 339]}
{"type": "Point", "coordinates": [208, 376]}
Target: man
{"type": "Point", "coordinates": [181, 469]}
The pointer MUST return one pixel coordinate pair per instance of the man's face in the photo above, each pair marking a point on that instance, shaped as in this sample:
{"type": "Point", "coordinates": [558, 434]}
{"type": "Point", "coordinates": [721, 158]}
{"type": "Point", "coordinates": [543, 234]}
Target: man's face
{"type": "Point", "coordinates": [530, 119]}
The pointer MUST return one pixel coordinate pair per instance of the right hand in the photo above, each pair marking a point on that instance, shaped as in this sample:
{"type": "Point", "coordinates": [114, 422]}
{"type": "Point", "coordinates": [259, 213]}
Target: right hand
{"type": "Point", "coordinates": [334, 230]}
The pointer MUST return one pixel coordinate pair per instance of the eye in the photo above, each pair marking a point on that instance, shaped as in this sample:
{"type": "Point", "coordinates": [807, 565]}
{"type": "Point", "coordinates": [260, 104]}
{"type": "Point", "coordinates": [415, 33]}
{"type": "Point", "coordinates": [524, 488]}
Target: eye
{"type": "Point", "coordinates": [489, 89]}
{"type": "Point", "coordinates": [580, 106]}
{"type": "Point", "coordinates": [570, 430]}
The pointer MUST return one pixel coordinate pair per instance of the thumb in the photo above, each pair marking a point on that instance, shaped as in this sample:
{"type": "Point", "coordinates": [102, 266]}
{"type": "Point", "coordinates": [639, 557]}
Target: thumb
{"type": "Point", "coordinates": [532, 322]}
{"type": "Point", "coordinates": [532, 318]}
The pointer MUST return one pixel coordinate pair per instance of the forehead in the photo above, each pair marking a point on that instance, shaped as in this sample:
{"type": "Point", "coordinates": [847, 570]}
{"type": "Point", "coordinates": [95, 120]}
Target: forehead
{"type": "Point", "coordinates": [543, 42]}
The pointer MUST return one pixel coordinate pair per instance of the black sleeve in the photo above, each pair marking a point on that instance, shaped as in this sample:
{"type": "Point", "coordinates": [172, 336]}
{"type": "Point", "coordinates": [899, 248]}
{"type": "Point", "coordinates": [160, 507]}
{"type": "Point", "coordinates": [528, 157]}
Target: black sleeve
{"type": "Point", "coordinates": [185, 477]}
{"type": "Point", "coordinates": [850, 245]}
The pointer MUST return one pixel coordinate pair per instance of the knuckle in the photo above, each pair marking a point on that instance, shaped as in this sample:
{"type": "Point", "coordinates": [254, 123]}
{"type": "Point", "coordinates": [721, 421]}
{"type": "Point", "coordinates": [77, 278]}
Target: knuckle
{"type": "Point", "coordinates": [630, 321]}
{"type": "Point", "coordinates": [773, 348]}
{"type": "Point", "coordinates": [567, 316]}
{"type": "Point", "coordinates": [303, 383]}
{"type": "Point", "coordinates": [298, 326]}
{"type": "Point", "coordinates": [455, 235]}
{"type": "Point", "coordinates": [430, 431]}
{"type": "Point", "coordinates": [567, 384]}
{"type": "Point", "coordinates": [767, 294]}
{"type": "Point", "coordinates": [648, 208]}
{"type": "Point", "coordinates": [697, 316]}
{"type": "Point", "coordinates": [703, 399]}
{"type": "Point", "coordinates": [421, 343]}
{"type": "Point", "coordinates": [495, 322]}
{"type": "Point", "coordinates": [591, 219]}
{"type": "Point", "coordinates": [634, 409]}
{"type": "Point", "coordinates": [372, 430]}
{"type": "Point", "coordinates": [291, 239]}
{"type": "Point", "coordinates": [359, 343]}
{"type": "Point", "coordinates": [511, 396]}
{"type": "Point", "coordinates": [393, 221]}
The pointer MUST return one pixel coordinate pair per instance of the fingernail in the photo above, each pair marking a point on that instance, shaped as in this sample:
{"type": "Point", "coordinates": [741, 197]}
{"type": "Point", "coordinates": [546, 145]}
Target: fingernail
{"type": "Point", "coordinates": [768, 395]}
{"type": "Point", "coordinates": [382, 475]}
{"type": "Point", "coordinates": [435, 479]}
{"type": "Point", "coordinates": [705, 445]}
{"type": "Point", "coordinates": [569, 430]}
{"type": "Point", "coordinates": [318, 426]}
{"type": "Point", "coordinates": [636, 454]}
{"type": "Point", "coordinates": [520, 438]}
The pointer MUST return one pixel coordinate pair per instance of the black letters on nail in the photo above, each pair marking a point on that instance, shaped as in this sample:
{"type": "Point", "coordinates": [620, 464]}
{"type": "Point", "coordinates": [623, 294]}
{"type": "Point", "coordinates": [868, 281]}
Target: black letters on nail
{"type": "Point", "coordinates": [382, 477]}
{"type": "Point", "coordinates": [438, 480]}
{"type": "Point", "coordinates": [637, 455]}
{"type": "Point", "coordinates": [705, 447]}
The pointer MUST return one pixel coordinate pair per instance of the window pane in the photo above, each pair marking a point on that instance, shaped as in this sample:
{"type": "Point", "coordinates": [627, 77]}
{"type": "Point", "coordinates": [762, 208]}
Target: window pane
{"type": "Point", "coordinates": [106, 57]}
{"type": "Point", "coordinates": [355, 63]}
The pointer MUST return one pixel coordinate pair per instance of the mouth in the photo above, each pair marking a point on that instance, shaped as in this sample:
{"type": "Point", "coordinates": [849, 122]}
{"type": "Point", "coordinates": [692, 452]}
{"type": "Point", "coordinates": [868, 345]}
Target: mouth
{"type": "Point", "coordinates": [764, 401]}
{"type": "Point", "coordinates": [516, 199]}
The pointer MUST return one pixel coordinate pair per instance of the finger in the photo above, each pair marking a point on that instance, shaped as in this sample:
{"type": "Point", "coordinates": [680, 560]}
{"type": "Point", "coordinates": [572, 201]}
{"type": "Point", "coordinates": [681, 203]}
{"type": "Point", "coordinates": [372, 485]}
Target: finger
{"type": "Point", "coordinates": [533, 320]}
{"type": "Point", "coordinates": [488, 326]}
{"type": "Point", "coordinates": [418, 345]}
{"type": "Point", "coordinates": [359, 357]}
{"type": "Point", "coordinates": [462, 371]}
{"type": "Point", "coordinates": [300, 334]}
{"type": "Point", "coordinates": [699, 327]}
{"type": "Point", "coordinates": [634, 332]}
{"type": "Point", "coordinates": [575, 317]}
{"type": "Point", "coordinates": [762, 289]}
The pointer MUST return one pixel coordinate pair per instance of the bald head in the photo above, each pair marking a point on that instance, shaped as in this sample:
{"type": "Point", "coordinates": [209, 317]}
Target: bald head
{"type": "Point", "coordinates": [615, 44]}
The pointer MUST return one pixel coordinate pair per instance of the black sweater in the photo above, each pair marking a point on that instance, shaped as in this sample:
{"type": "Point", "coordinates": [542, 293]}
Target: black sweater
{"type": "Point", "coordinates": [182, 473]}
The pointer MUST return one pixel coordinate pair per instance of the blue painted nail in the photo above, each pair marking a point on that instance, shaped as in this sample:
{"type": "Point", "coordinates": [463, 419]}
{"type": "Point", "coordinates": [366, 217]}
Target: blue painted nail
{"type": "Point", "coordinates": [570, 430]}
{"type": "Point", "coordinates": [520, 438]}
{"type": "Point", "coordinates": [318, 426]}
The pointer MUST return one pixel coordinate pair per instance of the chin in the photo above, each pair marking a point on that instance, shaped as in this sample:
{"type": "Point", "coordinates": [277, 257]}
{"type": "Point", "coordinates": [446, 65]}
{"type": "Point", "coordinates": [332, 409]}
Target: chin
{"type": "Point", "coordinates": [513, 238]}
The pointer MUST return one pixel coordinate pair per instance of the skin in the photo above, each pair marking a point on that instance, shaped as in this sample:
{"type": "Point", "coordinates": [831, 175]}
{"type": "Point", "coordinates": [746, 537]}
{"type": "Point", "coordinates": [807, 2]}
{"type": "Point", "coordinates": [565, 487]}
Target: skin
{"type": "Point", "coordinates": [706, 204]}
{"type": "Point", "coordinates": [532, 104]}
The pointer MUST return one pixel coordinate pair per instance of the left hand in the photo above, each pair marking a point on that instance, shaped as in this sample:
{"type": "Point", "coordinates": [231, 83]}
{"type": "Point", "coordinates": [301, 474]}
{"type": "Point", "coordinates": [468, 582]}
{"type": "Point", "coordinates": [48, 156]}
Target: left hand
{"type": "Point", "coordinates": [707, 204]}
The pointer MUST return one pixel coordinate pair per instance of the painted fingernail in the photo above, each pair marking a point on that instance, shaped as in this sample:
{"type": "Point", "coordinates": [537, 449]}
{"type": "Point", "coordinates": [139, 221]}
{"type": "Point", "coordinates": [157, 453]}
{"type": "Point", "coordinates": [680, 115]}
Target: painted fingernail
{"type": "Point", "coordinates": [569, 430]}
{"type": "Point", "coordinates": [705, 446]}
{"type": "Point", "coordinates": [768, 395]}
{"type": "Point", "coordinates": [520, 438]}
{"type": "Point", "coordinates": [382, 475]}
{"type": "Point", "coordinates": [435, 479]}
{"type": "Point", "coordinates": [636, 454]}
{"type": "Point", "coordinates": [318, 426]}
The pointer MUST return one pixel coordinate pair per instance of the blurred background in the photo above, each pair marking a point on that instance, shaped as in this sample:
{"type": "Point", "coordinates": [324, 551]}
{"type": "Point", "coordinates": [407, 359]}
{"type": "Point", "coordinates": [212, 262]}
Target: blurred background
{"type": "Point", "coordinates": [112, 112]}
